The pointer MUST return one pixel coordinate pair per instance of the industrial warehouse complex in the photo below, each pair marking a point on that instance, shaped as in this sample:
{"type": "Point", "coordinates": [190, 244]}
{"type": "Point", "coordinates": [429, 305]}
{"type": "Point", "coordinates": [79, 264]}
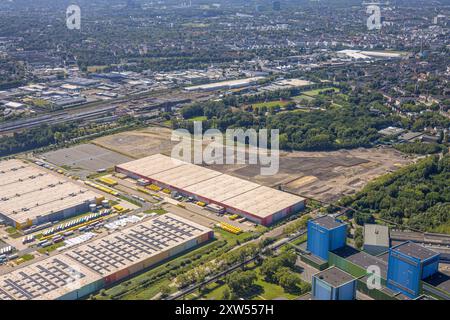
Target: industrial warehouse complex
{"type": "Point", "coordinates": [257, 203]}
{"type": "Point", "coordinates": [406, 270]}
{"type": "Point", "coordinates": [90, 267]}
{"type": "Point", "coordinates": [30, 195]}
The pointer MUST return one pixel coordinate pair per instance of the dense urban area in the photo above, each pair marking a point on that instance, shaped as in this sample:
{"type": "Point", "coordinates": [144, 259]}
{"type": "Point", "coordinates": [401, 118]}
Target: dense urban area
{"type": "Point", "coordinates": [93, 206]}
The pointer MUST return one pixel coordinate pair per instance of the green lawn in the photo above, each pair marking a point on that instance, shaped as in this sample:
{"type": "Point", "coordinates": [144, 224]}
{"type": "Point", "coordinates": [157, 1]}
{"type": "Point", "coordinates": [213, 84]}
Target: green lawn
{"type": "Point", "coordinates": [51, 248]}
{"type": "Point", "coordinates": [315, 92]}
{"type": "Point", "coordinates": [151, 291]}
{"type": "Point", "coordinates": [303, 97]}
{"type": "Point", "coordinates": [158, 211]}
{"type": "Point", "coordinates": [25, 258]}
{"type": "Point", "coordinates": [270, 104]}
{"type": "Point", "coordinates": [11, 230]}
{"type": "Point", "coordinates": [130, 200]}
{"type": "Point", "coordinates": [199, 118]}
{"type": "Point", "coordinates": [444, 228]}
{"type": "Point", "coordinates": [269, 291]}
{"type": "Point", "coordinates": [231, 238]}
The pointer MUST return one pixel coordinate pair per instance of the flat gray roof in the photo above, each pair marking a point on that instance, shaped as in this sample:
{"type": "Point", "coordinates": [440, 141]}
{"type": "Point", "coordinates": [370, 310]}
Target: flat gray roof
{"type": "Point", "coordinates": [376, 235]}
{"type": "Point", "coordinates": [362, 259]}
{"type": "Point", "coordinates": [334, 276]}
{"type": "Point", "coordinates": [327, 222]}
{"type": "Point", "coordinates": [415, 250]}
{"type": "Point", "coordinates": [28, 191]}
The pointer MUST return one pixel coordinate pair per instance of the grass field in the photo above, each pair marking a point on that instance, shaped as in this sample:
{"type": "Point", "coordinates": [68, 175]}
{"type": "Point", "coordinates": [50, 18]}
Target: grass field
{"type": "Point", "coordinates": [51, 248]}
{"type": "Point", "coordinates": [199, 118]}
{"type": "Point", "coordinates": [315, 92]}
{"type": "Point", "coordinates": [231, 238]}
{"type": "Point", "coordinates": [303, 97]}
{"type": "Point", "coordinates": [263, 290]}
{"type": "Point", "coordinates": [157, 211]}
{"type": "Point", "coordinates": [270, 104]}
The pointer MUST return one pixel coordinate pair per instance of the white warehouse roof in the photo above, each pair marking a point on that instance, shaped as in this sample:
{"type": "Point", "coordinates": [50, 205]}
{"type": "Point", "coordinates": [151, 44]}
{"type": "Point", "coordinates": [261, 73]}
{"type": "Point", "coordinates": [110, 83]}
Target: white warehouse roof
{"type": "Point", "coordinates": [27, 191]}
{"type": "Point", "coordinates": [215, 186]}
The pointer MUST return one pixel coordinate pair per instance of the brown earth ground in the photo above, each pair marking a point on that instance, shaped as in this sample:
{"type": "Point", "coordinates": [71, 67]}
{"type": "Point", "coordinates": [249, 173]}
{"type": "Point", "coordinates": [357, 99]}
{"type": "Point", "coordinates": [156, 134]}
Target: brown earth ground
{"type": "Point", "coordinates": [325, 176]}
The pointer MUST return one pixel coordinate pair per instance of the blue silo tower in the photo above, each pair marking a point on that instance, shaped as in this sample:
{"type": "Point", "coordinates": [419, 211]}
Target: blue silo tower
{"type": "Point", "coordinates": [409, 263]}
{"type": "Point", "coordinates": [325, 234]}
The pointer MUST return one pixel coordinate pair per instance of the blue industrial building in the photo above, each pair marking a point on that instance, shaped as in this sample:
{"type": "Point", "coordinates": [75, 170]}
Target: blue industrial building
{"type": "Point", "coordinates": [333, 284]}
{"type": "Point", "coordinates": [409, 263]}
{"type": "Point", "coordinates": [325, 234]}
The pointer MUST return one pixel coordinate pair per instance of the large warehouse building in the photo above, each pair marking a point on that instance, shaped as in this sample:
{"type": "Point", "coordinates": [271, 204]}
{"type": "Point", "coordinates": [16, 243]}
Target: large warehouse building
{"type": "Point", "coordinates": [30, 195]}
{"type": "Point", "coordinates": [86, 269]}
{"type": "Point", "coordinates": [257, 203]}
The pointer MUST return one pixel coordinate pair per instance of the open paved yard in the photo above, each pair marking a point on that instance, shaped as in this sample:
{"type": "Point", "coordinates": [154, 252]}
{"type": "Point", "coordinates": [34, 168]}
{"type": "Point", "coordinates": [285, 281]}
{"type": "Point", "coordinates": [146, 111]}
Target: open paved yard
{"type": "Point", "coordinates": [85, 158]}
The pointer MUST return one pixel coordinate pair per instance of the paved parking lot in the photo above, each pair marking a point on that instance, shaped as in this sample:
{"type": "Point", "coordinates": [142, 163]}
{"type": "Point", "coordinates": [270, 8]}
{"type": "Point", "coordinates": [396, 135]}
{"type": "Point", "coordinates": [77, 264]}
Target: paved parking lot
{"type": "Point", "coordinates": [85, 158]}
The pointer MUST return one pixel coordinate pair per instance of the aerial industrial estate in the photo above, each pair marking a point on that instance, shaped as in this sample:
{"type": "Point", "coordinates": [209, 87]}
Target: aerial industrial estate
{"type": "Point", "coordinates": [93, 206]}
{"type": "Point", "coordinates": [255, 202]}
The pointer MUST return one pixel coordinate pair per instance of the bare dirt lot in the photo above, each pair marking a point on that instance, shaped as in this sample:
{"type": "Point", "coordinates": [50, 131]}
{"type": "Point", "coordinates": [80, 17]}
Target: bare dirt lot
{"type": "Point", "coordinates": [325, 176]}
{"type": "Point", "coordinates": [139, 143]}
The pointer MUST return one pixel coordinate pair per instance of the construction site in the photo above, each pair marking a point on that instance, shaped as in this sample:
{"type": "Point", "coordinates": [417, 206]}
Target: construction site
{"type": "Point", "coordinates": [323, 175]}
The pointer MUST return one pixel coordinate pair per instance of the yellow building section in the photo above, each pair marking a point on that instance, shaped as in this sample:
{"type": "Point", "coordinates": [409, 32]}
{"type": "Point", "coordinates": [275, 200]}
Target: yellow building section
{"type": "Point", "coordinates": [109, 182]}
{"type": "Point", "coordinates": [20, 226]}
{"type": "Point", "coordinates": [143, 190]}
{"type": "Point", "coordinates": [98, 200]}
{"type": "Point", "coordinates": [118, 208]}
{"type": "Point", "coordinates": [153, 187]}
{"type": "Point", "coordinates": [101, 188]}
{"type": "Point", "coordinates": [230, 228]}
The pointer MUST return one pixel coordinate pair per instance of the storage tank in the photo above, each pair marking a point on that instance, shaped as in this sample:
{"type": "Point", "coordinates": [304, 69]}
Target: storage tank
{"type": "Point", "coordinates": [105, 204]}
